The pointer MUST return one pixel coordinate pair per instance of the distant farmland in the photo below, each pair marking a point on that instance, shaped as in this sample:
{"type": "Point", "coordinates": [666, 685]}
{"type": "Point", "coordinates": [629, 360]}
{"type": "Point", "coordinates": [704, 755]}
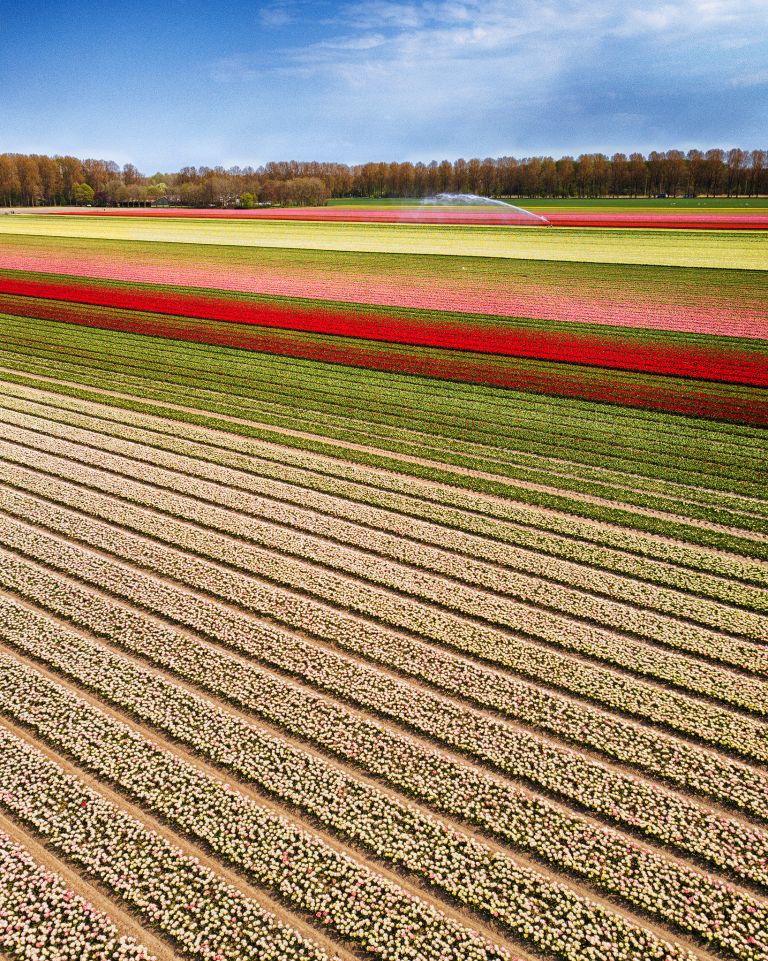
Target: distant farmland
{"type": "Point", "coordinates": [386, 590]}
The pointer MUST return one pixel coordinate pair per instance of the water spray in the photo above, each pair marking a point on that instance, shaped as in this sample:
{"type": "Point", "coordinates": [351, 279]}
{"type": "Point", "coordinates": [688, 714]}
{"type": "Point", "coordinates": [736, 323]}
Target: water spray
{"type": "Point", "coordinates": [475, 200]}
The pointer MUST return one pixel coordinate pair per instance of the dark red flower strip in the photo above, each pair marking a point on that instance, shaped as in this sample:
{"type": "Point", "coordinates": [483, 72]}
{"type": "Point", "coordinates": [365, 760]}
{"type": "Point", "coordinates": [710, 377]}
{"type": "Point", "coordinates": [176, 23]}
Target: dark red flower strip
{"type": "Point", "coordinates": [447, 215]}
{"type": "Point", "coordinates": [555, 379]}
{"type": "Point", "coordinates": [727, 366]}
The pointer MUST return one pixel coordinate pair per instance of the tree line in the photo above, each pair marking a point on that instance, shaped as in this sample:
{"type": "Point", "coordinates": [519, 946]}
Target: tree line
{"type": "Point", "coordinates": [35, 179]}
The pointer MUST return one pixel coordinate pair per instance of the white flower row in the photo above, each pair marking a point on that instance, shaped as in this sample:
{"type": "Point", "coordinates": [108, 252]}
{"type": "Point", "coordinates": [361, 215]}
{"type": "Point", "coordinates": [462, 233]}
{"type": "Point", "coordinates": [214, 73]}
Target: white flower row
{"type": "Point", "coordinates": [204, 916]}
{"type": "Point", "coordinates": [638, 804]}
{"type": "Point", "coordinates": [595, 852]}
{"type": "Point", "coordinates": [498, 541]}
{"type": "Point", "coordinates": [342, 896]}
{"type": "Point", "coordinates": [660, 547]}
{"type": "Point", "coordinates": [42, 919]}
{"type": "Point", "coordinates": [720, 777]}
{"type": "Point", "coordinates": [628, 694]}
{"type": "Point", "coordinates": [134, 481]}
{"type": "Point", "coordinates": [241, 491]}
{"type": "Point", "coordinates": [552, 916]}
{"type": "Point", "coordinates": [350, 501]}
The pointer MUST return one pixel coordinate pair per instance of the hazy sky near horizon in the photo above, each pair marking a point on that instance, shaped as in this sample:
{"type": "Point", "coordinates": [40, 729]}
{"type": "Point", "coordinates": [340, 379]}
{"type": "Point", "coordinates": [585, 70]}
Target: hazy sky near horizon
{"type": "Point", "coordinates": [230, 82]}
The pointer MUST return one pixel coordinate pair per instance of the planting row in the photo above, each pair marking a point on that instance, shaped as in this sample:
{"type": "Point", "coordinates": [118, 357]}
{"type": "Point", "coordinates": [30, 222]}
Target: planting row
{"type": "Point", "coordinates": [499, 452]}
{"type": "Point", "coordinates": [449, 452]}
{"type": "Point", "coordinates": [171, 891]}
{"type": "Point", "coordinates": [607, 534]}
{"type": "Point", "coordinates": [41, 918]}
{"type": "Point", "coordinates": [750, 514]}
{"type": "Point", "coordinates": [460, 866]}
{"type": "Point", "coordinates": [684, 764]}
{"type": "Point", "coordinates": [237, 490]}
{"type": "Point", "coordinates": [518, 432]}
{"type": "Point", "coordinates": [316, 574]}
{"type": "Point", "coordinates": [350, 901]}
{"type": "Point", "coordinates": [732, 403]}
{"type": "Point", "coordinates": [245, 370]}
{"type": "Point", "coordinates": [633, 803]}
{"type": "Point", "coordinates": [240, 490]}
{"type": "Point", "coordinates": [500, 420]}
{"type": "Point", "coordinates": [308, 480]}
{"type": "Point", "coordinates": [626, 653]}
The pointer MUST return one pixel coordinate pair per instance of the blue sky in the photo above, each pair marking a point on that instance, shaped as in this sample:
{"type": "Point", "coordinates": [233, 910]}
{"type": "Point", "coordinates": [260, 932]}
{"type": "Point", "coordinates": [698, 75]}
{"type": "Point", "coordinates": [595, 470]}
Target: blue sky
{"type": "Point", "coordinates": [225, 81]}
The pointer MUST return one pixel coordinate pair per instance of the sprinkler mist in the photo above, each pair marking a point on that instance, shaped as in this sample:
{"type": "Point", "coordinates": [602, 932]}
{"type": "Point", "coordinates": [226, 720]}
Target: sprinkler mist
{"type": "Point", "coordinates": [518, 214]}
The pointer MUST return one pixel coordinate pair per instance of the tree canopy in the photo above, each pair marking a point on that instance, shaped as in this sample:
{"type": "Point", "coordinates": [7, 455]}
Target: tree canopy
{"type": "Point", "coordinates": [39, 179]}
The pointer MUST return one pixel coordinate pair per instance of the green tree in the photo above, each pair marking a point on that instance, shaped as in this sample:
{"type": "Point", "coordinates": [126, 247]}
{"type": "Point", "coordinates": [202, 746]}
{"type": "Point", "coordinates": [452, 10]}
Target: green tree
{"type": "Point", "coordinates": [83, 193]}
{"type": "Point", "coordinates": [157, 190]}
{"type": "Point", "coordinates": [247, 200]}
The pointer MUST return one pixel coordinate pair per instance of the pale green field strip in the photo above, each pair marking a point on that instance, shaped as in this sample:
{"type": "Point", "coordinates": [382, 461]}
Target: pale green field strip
{"type": "Point", "coordinates": [730, 512]}
{"type": "Point", "coordinates": [741, 249]}
{"type": "Point", "coordinates": [627, 486]}
{"type": "Point", "coordinates": [409, 395]}
{"type": "Point", "coordinates": [409, 459]}
{"type": "Point", "coordinates": [517, 425]}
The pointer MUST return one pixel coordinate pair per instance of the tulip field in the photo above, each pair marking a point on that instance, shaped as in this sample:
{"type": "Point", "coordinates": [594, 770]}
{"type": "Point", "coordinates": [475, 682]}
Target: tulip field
{"type": "Point", "coordinates": [382, 586]}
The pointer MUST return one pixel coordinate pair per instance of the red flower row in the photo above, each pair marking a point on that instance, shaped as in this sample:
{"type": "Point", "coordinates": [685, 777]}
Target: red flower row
{"type": "Point", "coordinates": [675, 396]}
{"type": "Point", "coordinates": [717, 364]}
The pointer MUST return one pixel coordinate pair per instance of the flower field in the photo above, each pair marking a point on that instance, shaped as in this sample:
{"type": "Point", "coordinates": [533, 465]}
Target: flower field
{"type": "Point", "coordinates": [688, 220]}
{"type": "Point", "coordinates": [383, 590]}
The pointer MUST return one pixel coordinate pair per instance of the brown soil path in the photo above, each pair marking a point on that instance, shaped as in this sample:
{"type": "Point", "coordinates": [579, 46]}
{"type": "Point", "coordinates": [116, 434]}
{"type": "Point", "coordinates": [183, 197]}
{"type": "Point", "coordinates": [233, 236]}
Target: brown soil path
{"type": "Point", "coordinates": [96, 894]}
{"type": "Point", "coordinates": [180, 841]}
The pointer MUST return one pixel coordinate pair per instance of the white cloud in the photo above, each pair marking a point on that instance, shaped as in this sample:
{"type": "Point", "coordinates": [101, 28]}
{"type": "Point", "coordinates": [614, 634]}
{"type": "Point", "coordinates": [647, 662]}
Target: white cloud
{"type": "Point", "coordinates": [440, 72]}
{"type": "Point", "coordinates": [692, 16]}
{"type": "Point", "coordinates": [276, 16]}
{"type": "Point", "coordinates": [756, 78]}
